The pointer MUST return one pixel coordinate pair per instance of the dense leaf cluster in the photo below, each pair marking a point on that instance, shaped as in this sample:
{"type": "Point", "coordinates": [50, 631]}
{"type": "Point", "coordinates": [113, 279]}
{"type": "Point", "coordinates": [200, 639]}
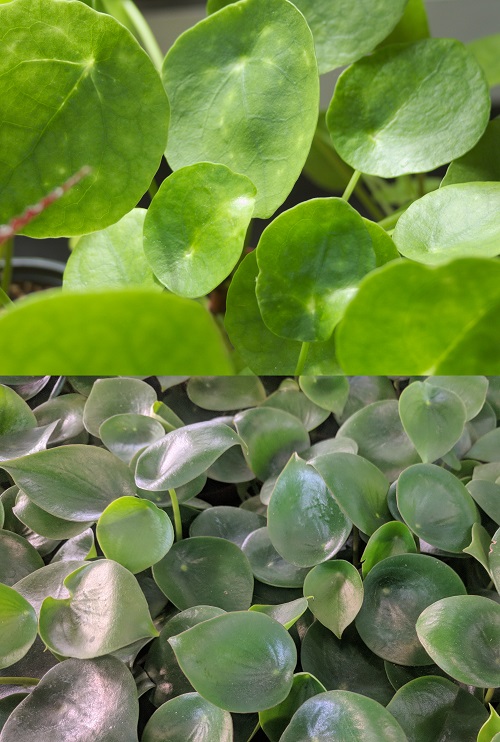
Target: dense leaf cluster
{"type": "Point", "coordinates": [234, 108]}
{"type": "Point", "coordinates": [217, 558]}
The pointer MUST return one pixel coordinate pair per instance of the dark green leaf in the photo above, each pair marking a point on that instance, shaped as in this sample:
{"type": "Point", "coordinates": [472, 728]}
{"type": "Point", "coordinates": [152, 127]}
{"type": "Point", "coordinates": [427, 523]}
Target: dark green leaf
{"type": "Point", "coordinates": [44, 523]}
{"type": "Point", "coordinates": [18, 558]}
{"type": "Point", "coordinates": [15, 414]}
{"type": "Point", "coordinates": [328, 392]}
{"type": "Point", "coordinates": [110, 397]}
{"type": "Point", "coordinates": [189, 717]}
{"type": "Point", "coordinates": [336, 594]}
{"type": "Point", "coordinates": [222, 394]}
{"type": "Point", "coordinates": [389, 540]}
{"type": "Point", "coordinates": [291, 399]}
{"type": "Point", "coordinates": [267, 565]}
{"type": "Point", "coordinates": [222, 521]}
{"type": "Point", "coordinates": [19, 626]}
{"type": "Point", "coordinates": [487, 496]}
{"type": "Point", "coordinates": [287, 614]}
{"type": "Point", "coordinates": [274, 720]}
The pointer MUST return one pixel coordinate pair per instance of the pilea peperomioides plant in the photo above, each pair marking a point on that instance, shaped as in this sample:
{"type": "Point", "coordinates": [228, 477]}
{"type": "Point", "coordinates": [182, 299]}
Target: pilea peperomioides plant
{"type": "Point", "coordinates": [240, 558]}
{"type": "Point", "coordinates": [234, 108]}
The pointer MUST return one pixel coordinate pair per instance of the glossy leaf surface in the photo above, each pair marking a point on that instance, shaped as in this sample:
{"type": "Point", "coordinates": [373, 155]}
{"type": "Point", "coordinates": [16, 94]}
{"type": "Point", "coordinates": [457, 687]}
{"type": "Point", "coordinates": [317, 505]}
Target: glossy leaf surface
{"type": "Point", "coordinates": [18, 558]}
{"type": "Point", "coordinates": [189, 717]}
{"type": "Point", "coordinates": [226, 393]}
{"type": "Point", "coordinates": [328, 392]}
{"type": "Point", "coordinates": [222, 521]}
{"type": "Point", "coordinates": [336, 592]}
{"type": "Point", "coordinates": [472, 390]}
{"type": "Point", "coordinates": [44, 523]}
{"type": "Point", "coordinates": [268, 565]}
{"type": "Point", "coordinates": [19, 626]}
{"type": "Point", "coordinates": [15, 413]}
{"type": "Point", "coordinates": [128, 434]}
{"type": "Point", "coordinates": [47, 581]}
{"type": "Point", "coordinates": [110, 397]}
{"type": "Point", "coordinates": [390, 539]}
{"type": "Point", "coordinates": [275, 720]}
{"type": "Point", "coordinates": [287, 614]}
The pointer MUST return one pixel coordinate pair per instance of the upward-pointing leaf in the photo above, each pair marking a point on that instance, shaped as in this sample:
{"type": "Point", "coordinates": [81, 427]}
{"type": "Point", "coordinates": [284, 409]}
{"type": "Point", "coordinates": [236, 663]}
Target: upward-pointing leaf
{"type": "Point", "coordinates": [241, 95]}
{"type": "Point", "coordinates": [19, 626]}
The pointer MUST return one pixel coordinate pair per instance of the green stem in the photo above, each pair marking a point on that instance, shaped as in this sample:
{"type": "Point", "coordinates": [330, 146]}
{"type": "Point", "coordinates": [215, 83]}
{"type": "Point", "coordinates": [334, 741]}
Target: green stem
{"type": "Point", "coordinates": [351, 185]}
{"type": "Point", "coordinates": [304, 351]}
{"type": "Point", "coordinates": [5, 300]}
{"type": "Point", "coordinates": [254, 732]}
{"type": "Point", "coordinates": [19, 681]}
{"type": "Point", "coordinates": [177, 515]}
{"type": "Point", "coordinates": [389, 222]}
{"type": "Point", "coordinates": [488, 695]}
{"type": "Point", "coordinates": [8, 250]}
{"type": "Point", "coordinates": [144, 33]}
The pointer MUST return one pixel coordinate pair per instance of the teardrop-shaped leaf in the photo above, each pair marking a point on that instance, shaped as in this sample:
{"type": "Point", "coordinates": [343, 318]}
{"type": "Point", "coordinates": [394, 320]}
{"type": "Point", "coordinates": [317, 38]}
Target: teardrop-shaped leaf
{"type": "Point", "coordinates": [433, 418]}
{"type": "Point", "coordinates": [358, 486]}
{"type": "Point", "coordinates": [225, 393]}
{"type": "Point", "coordinates": [287, 614]}
{"type": "Point", "coordinates": [47, 581]}
{"type": "Point", "coordinates": [106, 611]}
{"type": "Point", "coordinates": [336, 592]}
{"type": "Point", "coordinates": [102, 698]}
{"type": "Point", "coordinates": [230, 95]}
{"type": "Point", "coordinates": [329, 392]}
{"type": "Point", "coordinates": [291, 399]}
{"type": "Point", "coordinates": [74, 482]}
{"type": "Point", "coordinates": [189, 717]}
{"type": "Point", "coordinates": [390, 539]}
{"type": "Point", "coordinates": [490, 728]}
{"type": "Point", "coordinates": [340, 714]}
{"type": "Point", "coordinates": [452, 222]}
{"type": "Point", "coordinates": [18, 558]}
{"type": "Point", "coordinates": [450, 712]}
{"type": "Point", "coordinates": [110, 397]}
{"type": "Point", "coordinates": [436, 506]}
{"type": "Point", "coordinates": [109, 335]}
{"type": "Point", "coordinates": [128, 434]}
{"type": "Point", "coordinates": [44, 523]}
{"type": "Point", "coordinates": [24, 442]}
{"type": "Point", "coordinates": [67, 412]}
{"type": "Point", "coordinates": [275, 720]}
{"type": "Point", "coordinates": [345, 663]}
{"type": "Point", "coordinates": [487, 495]}
{"type": "Point", "coordinates": [327, 250]}
{"type": "Point", "coordinates": [305, 524]}
{"type": "Point", "coordinates": [196, 225]}
{"type": "Point", "coordinates": [111, 258]}
{"type": "Point", "coordinates": [426, 328]}
{"type": "Point", "coordinates": [15, 413]}
{"type": "Point", "coordinates": [93, 85]}
{"type": "Point", "coordinates": [135, 533]}
{"type": "Point", "coordinates": [268, 565]}
{"type": "Point", "coordinates": [270, 436]}
{"type": "Point", "coordinates": [380, 131]}
{"type": "Point", "coordinates": [462, 635]}
{"type": "Point", "coordinates": [223, 521]}
{"type": "Point", "coordinates": [204, 570]}
{"type": "Point", "coordinates": [396, 592]}
{"type": "Point", "coordinates": [486, 448]}
{"type": "Point", "coordinates": [481, 163]}
{"type": "Point", "coordinates": [258, 672]}
{"type": "Point", "coordinates": [18, 622]}
{"type": "Point", "coordinates": [472, 390]}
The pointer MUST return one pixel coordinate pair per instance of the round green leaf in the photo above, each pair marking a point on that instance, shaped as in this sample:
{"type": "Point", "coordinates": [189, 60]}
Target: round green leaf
{"type": "Point", "coordinates": [347, 663]}
{"type": "Point", "coordinates": [472, 390]}
{"type": "Point", "coordinates": [450, 712]}
{"type": "Point", "coordinates": [258, 672]}
{"type": "Point", "coordinates": [424, 326]}
{"type": "Point", "coordinates": [438, 111]}
{"type": "Point", "coordinates": [28, 441]}
{"type": "Point", "coordinates": [47, 581]}
{"type": "Point", "coordinates": [189, 717]}
{"type": "Point", "coordinates": [358, 486]}
{"type": "Point", "coordinates": [340, 714]}
{"type": "Point", "coordinates": [230, 467]}
{"type": "Point", "coordinates": [381, 438]}
{"type": "Point", "coordinates": [267, 565]}
{"type": "Point", "coordinates": [389, 540]}
{"type": "Point", "coordinates": [287, 614]}
{"type": "Point", "coordinates": [291, 399]}
{"type": "Point", "coordinates": [135, 533]}
{"type": "Point", "coordinates": [106, 611]}
{"type": "Point", "coordinates": [275, 720]}
{"type": "Point", "coordinates": [486, 448]}
{"type": "Point", "coordinates": [223, 521]}
{"type": "Point", "coordinates": [487, 496]}
{"type": "Point", "coordinates": [111, 258]}
{"type": "Point", "coordinates": [15, 414]}
{"type": "Point", "coordinates": [265, 352]}
{"type": "Point", "coordinates": [110, 397]}
{"type": "Point", "coordinates": [328, 392]}
{"type": "Point", "coordinates": [305, 524]}
{"type": "Point", "coordinates": [436, 506]}
{"type": "Point", "coordinates": [204, 570]}
{"type": "Point", "coordinates": [72, 482]}
{"type": "Point", "coordinates": [18, 558]}
{"type": "Point", "coordinates": [114, 331]}
{"type": "Point", "coordinates": [270, 437]}
{"type": "Point", "coordinates": [433, 418]}
{"type": "Point", "coordinates": [96, 699]}
{"type": "Point", "coordinates": [336, 592]}
{"type": "Point", "coordinates": [18, 624]}
{"type": "Point", "coordinates": [482, 163]}
{"type": "Point", "coordinates": [462, 635]}
{"type": "Point", "coordinates": [327, 250]}
{"type": "Point", "coordinates": [128, 434]}
{"type": "Point", "coordinates": [452, 222]}
{"type": "Point", "coordinates": [67, 412]}
{"type": "Point", "coordinates": [223, 93]}
{"type": "Point", "coordinates": [225, 393]}
{"type": "Point", "coordinates": [44, 523]}
{"type": "Point", "coordinates": [196, 226]}
{"type": "Point", "coordinates": [396, 592]}
{"type": "Point", "coordinates": [183, 454]}
{"type": "Point", "coordinates": [101, 87]}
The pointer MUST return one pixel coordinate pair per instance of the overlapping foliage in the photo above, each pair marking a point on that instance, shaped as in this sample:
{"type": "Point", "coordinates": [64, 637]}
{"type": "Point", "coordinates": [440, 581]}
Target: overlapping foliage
{"type": "Point", "coordinates": [236, 558]}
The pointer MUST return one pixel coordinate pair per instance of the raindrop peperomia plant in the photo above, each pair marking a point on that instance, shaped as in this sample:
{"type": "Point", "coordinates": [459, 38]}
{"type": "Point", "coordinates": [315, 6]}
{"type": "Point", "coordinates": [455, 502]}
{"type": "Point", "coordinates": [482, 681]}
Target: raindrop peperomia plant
{"type": "Point", "coordinates": [234, 108]}
{"type": "Point", "coordinates": [252, 558]}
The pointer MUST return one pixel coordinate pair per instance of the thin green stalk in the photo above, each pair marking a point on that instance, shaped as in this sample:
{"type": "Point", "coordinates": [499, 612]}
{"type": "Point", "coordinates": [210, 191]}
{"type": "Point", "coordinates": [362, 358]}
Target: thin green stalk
{"type": "Point", "coordinates": [177, 515]}
{"type": "Point", "coordinates": [351, 185]}
{"type": "Point", "coordinates": [5, 300]}
{"type": "Point", "coordinates": [304, 351]}
{"type": "Point", "coordinates": [8, 251]}
{"type": "Point", "coordinates": [488, 696]}
{"type": "Point", "coordinates": [143, 32]}
{"type": "Point", "coordinates": [389, 222]}
{"type": "Point", "coordinates": [254, 732]}
{"type": "Point", "coordinates": [19, 681]}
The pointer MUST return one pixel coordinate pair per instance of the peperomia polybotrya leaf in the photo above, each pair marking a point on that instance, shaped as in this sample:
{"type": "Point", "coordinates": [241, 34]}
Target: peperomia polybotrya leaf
{"type": "Point", "coordinates": [110, 397]}
{"type": "Point", "coordinates": [256, 675]}
{"type": "Point", "coordinates": [18, 558]}
{"type": "Point", "coordinates": [100, 86]}
{"type": "Point", "coordinates": [189, 716]}
{"type": "Point", "coordinates": [196, 225]}
{"type": "Point", "coordinates": [438, 111]}
{"type": "Point", "coordinates": [128, 434]}
{"type": "Point", "coordinates": [15, 413]}
{"type": "Point", "coordinates": [390, 539]}
{"type": "Point", "coordinates": [336, 594]}
{"type": "Point", "coordinates": [275, 720]}
{"type": "Point", "coordinates": [268, 565]}
{"type": "Point", "coordinates": [327, 250]}
{"type": "Point", "coordinates": [79, 626]}
{"type": "Point", "coordinates": [228, 105]}
{"type": "Point", "coordinates": [111, 258]}
{"type": "Point", "coordinates": [19, 626]}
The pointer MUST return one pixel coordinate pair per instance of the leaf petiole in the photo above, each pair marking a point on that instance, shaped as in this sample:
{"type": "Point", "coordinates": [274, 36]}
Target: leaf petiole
{"type": "Point", "coordinates": [177, 515]}
{"type": "Point", "coordinates": [351, 185]}
{"type": "Point", "coordinates": [304, 351]}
